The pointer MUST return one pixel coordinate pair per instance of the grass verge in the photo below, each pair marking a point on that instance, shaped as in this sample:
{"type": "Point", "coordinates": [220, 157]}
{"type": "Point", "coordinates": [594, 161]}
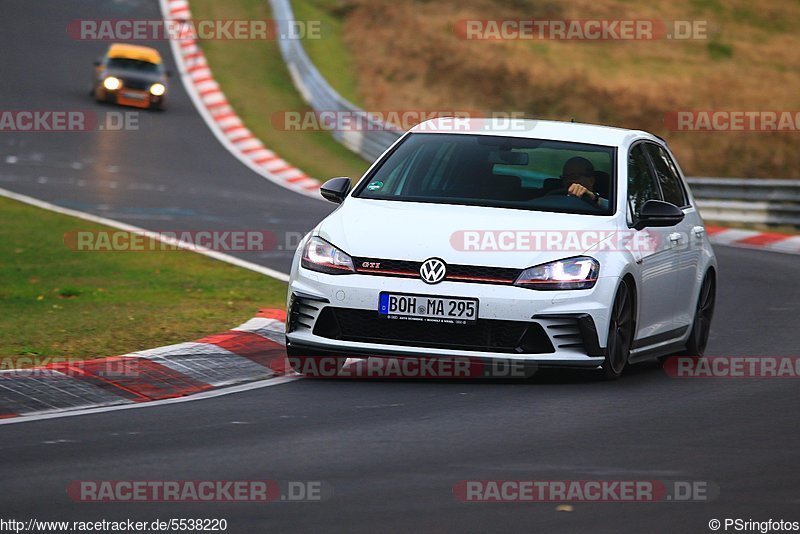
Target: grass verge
{"type": "Point", "coordinates": [329, 53]}
{"type": "Point", "coordinates": [59, 303]}
{"type": "Point", "coordinates": [410, 55]}
{"type": "Point", "coordinates": [256, 82]}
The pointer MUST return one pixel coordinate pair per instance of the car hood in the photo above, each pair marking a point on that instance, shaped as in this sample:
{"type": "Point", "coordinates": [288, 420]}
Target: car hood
{"type": "Point", "coordinates": [417, 231]}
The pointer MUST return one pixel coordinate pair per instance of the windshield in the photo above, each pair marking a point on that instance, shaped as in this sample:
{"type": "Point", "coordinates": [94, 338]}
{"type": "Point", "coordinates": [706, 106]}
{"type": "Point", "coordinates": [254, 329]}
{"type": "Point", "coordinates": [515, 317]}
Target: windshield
{"type": "Point", "coordinates": [133, 64]}
{"type": "Point", "coordinates": [504, 172]}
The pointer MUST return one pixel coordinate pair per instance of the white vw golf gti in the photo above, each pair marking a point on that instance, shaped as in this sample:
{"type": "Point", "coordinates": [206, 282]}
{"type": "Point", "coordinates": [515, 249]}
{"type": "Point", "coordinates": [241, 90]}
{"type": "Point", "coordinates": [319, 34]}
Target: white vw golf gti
{"type": "Point", "coordinates": [553, 244]}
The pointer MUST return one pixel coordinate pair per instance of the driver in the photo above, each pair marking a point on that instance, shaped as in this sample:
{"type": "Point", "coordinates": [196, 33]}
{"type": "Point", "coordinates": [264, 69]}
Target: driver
{"type": "Point", "coordinates": [578, 179]}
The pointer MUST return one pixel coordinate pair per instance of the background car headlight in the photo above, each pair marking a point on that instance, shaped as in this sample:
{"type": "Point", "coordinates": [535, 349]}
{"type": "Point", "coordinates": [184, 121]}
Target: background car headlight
{"type": "Point", "coordinates": [321, 256]}
{"type": "Point", "coordinates": [157, 89]}
{"type": "Point", "coordinates": [111, 83]}
{"type": "Point", "coordinates": [571, 273]}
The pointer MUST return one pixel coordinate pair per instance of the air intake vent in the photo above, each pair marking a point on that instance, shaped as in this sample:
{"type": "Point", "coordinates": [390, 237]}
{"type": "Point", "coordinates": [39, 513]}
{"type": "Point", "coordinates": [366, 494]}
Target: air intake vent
{"type": "Point", "coordinates": [303, 313]}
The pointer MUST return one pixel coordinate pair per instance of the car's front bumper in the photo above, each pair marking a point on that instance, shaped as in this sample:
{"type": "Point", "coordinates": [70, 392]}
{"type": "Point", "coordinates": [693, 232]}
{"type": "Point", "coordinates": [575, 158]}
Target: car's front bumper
{"type": "Point", "coordinates": [131, 98]}
{"type": "Point", "coordinates": [337, 314]}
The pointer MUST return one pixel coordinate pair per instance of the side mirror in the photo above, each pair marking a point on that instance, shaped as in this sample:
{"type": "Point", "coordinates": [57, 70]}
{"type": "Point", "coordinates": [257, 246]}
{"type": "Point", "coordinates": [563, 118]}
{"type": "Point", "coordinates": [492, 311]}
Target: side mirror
{"type": "Point", "coordinates": [656, 213]}
{"type": "Point", "coordinates": [168, 73]}
{"type": "Point", "coordinates": [335, 189]}
{"type": "Point", "coordinates": [98, 62]}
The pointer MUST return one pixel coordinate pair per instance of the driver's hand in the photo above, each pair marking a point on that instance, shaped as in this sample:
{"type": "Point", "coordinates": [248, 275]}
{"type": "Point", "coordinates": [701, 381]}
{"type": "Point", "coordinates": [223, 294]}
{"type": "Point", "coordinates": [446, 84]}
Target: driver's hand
{"type": "Point", "coordinates": [577, 190]}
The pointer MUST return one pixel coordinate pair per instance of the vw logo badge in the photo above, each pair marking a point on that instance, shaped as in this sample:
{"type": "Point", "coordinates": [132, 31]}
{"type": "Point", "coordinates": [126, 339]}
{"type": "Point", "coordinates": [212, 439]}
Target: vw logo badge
{"type": "Point", "coordinates": [432, 271]}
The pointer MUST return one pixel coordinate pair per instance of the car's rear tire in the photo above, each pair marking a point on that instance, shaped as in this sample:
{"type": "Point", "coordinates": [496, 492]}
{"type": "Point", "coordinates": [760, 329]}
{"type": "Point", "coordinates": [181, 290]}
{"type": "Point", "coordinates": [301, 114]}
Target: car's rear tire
{"type": "Point", "coordinates": [620, 331]}
{"type": "Point", "coordinates": [703, 313]}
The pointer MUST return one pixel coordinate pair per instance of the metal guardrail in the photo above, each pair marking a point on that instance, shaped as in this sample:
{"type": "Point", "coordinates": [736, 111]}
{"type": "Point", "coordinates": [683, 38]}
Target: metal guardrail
{"type": "Point", "coordinates": [369, 142]}
{"type": "Point", "coordinates": [748, 200]}
{"type": "Point", "coordinates": [740, 200]}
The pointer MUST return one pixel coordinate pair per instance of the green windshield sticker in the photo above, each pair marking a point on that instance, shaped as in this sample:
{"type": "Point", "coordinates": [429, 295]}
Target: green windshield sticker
{"type": "Point", "coordinates": [374, 186]}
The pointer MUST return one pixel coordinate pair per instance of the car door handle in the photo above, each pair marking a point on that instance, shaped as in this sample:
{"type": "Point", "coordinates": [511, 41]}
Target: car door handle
{"type": "Point", "coordinates": [675, 237]}
{"type": "Point", "coordinates": [699, 231]}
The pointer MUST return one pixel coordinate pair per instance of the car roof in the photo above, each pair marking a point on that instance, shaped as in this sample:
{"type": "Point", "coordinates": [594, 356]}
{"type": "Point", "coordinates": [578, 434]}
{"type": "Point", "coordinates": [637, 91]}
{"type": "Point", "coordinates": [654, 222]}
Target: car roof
{"type": "Point", "coordinates": [129, 51]}
{"type": "Point", "coordinates": [534, 129]}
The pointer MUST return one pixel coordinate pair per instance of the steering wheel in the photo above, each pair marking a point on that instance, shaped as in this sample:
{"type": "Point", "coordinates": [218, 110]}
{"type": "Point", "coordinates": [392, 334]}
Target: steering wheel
{"type": "Point", "coordinates": [563, 192]}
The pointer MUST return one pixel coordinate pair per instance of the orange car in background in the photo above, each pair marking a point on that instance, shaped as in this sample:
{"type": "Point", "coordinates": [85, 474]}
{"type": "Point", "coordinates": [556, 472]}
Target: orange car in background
{"type": "Point", "coordinates": [130, 75]}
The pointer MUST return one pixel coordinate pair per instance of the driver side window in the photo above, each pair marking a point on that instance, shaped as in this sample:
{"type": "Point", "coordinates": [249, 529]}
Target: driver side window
{"type": "Point", "coordinates": [642, 184]}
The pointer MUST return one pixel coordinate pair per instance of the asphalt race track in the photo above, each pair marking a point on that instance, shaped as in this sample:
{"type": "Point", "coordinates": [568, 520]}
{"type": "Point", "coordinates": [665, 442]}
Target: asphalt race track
{"type": "Point", "coordinates": [390, 450]}
{"type": "Point", "coordinates": [170, 174]}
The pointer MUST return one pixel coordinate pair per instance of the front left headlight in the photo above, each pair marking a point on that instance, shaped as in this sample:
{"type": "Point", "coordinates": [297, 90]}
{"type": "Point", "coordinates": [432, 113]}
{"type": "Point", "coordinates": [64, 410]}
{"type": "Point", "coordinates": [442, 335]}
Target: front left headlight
{"type": "Point", "coordinates": [158, 89]}
{"type": "Point", "coordinates": [321, 256]}
{"type": "Point", "coordinates": [579, 272]}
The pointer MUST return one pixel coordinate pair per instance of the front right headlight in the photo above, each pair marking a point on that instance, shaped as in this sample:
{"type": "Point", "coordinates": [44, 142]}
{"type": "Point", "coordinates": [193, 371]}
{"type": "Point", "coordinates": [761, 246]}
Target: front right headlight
{"type": "Point", "coordinates": [112, 83]}
{"type": "Point", "coordinates": [321, 256]}
{"type": "Point", "coordinates": [579, 272]}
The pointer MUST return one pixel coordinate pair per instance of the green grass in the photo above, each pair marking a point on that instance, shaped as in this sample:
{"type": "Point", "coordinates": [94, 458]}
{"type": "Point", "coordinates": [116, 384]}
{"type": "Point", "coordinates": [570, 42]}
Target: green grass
{"type": "Point", "coordinates": [60, 303]}
{"type": "Point", "coordinates": [718, 50]}
{"type": "Point", "coordinates": [328, 53]}
{"type": "Point", "coordinates": [257, 83]}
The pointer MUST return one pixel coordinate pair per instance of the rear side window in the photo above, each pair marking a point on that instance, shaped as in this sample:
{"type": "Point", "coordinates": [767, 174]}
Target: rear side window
{"type": "Point", "coordinates": [642, 184]}
{"type": "Point", "coordinates": [667, 176]}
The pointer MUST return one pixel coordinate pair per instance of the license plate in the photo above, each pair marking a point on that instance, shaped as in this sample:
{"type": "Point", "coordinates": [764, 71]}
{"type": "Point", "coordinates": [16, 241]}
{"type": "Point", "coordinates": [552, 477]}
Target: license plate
{"type": "Point", "coordinates": [428, 308]}
{"type": "Point", "coordinates": [134, 95]}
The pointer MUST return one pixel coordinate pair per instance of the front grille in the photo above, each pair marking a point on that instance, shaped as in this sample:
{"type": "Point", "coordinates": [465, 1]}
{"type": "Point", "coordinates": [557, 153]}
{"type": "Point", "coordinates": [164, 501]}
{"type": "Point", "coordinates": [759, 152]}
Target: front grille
{"type": "Point", "coordinates": [139, 85]}
{"type": "Point", "coordinates": [478, 274]}
{"type": "Point", "coordinates": [387, 267]}
{"type": "Point", "coordinates": [499, 275]}
{"type": "Point", "coordinates": [487, 335]}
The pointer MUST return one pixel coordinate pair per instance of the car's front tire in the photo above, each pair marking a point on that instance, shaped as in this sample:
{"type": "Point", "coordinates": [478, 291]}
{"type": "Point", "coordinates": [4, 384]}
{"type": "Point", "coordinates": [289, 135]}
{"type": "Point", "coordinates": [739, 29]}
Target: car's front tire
{"type": "Point", "coordinates": [620, 331]}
